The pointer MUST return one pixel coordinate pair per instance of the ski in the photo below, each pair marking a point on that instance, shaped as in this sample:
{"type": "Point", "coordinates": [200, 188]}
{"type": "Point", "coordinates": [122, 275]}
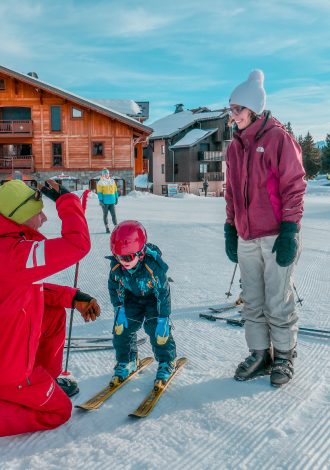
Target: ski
{"type": "Point", "coordinates": [91, 339]}
{"type": "Point", "coordinates": [99, 398]}
{"type": "Point", "coordinates": [302, 330]}
{"type": "Point", "coordinates": [82, 346]}
{"type": "Point", "coordinates": [315, 334]}
{"type": "Point", "coordinates": [230, 321]}
{"type": "Point", "coordinates": [223, 309]}
{"type": "Point", "coordinates": [148, 404]}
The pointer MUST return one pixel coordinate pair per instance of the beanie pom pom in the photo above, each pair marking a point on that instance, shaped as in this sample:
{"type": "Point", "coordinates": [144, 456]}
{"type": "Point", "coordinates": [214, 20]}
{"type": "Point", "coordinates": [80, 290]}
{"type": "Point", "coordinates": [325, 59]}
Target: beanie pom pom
{"type": "Point", "coordinates": [257, 75]}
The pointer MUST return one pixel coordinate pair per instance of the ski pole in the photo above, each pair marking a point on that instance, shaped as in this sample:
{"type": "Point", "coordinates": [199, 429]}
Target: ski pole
{"type": "Point", "coordinates": [65, 372]}
{"type": "Point", "coordinates": [75, 282]}
{"type": "Point", "coordinates": [299, 299]}
{"type": "Point", "coordinates": [229, 294]}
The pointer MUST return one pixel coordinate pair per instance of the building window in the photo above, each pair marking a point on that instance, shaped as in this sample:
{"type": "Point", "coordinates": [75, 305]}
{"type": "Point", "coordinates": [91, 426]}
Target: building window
{"type": "Point", "coordinates": [203, 167]}
{"type": "Point", "coordinates": [162, 149]}
{"type": "Point", "coordinates": [57, 154]}
{"type": "Point", "coordinates": [97, 149]}
{"type": "Point", "coordinates": [163, 168]}
{"type": "Point", "coordinates": [76, 113]}
{"type": "Point", "coordinates": [2, 84]}
{"type": "Point", "coordinates": [56, 118]}
{"type": "Point", "coordinates": [176, 168]}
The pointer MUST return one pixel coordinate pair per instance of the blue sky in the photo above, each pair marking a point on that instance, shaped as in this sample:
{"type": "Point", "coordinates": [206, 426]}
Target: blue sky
{"type": "Point", "coordinates": [177, 51]}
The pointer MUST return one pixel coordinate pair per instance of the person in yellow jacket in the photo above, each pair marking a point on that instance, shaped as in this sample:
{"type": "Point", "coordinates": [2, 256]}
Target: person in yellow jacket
{"type": "Point", "coordinates": [107, 193]}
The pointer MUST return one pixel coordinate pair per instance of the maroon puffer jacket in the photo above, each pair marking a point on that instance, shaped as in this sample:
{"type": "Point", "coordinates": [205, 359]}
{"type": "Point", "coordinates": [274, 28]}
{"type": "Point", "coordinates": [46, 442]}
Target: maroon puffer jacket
{"type": "Point", "coordinates": [265, 179]}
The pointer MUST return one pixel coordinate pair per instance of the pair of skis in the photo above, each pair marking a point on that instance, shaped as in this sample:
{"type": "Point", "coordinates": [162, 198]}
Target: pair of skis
{"type": "Point", "coordinates": [315, 332]}
{"type": "Point", "coordinates": [147, 405]}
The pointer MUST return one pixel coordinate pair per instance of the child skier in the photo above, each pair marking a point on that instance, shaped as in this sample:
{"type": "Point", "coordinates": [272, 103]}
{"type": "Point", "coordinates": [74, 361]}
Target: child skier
{"type": "Point", "coordinates": [140, 294]}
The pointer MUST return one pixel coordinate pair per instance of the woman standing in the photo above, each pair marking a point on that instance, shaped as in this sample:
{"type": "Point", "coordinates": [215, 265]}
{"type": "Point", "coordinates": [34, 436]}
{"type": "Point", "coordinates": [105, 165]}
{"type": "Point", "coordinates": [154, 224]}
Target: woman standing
{"type": "Point", "coordinates": [264, 196]}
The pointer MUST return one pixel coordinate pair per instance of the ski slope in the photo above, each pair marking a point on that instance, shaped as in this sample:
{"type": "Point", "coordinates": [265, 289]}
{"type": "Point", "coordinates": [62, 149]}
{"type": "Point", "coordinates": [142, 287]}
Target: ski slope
{"type": "Point", "coordinates": [205, 419]}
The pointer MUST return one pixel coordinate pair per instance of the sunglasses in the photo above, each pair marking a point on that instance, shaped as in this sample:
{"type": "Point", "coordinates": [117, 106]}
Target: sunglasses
{"type": "Point", "coordinates": [236, 110]}
{"type": "Point", "coordinates": [36, 196]}
{"type": "Point", "coordinates": [131, 256]}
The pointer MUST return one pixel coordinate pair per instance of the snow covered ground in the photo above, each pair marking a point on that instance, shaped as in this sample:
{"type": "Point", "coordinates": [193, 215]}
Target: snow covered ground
{"type": "Point", "coordinates": [205, 420]}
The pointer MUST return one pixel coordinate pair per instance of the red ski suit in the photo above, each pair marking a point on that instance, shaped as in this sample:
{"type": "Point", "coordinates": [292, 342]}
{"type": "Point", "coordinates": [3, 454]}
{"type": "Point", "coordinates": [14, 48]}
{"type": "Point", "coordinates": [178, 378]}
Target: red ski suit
{"type": "Point", "coordinates": [33, 318]}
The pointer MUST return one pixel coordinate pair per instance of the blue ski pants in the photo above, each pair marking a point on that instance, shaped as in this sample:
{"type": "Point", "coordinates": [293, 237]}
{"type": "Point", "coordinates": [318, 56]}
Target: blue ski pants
{"type": "Point", "coordinates": [141, 311]}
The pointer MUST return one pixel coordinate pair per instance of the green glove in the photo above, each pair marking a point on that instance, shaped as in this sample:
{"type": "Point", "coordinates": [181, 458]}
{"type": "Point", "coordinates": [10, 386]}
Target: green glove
{"type": "Point", "coordinates": [286, 244]}
{"type": "Point", "coordinates": [231, 242]}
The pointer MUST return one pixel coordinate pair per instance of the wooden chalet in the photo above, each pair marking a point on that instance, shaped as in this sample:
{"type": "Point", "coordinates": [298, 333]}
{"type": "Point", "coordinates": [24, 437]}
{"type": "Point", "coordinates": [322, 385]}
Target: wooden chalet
{"type": "Point", "coordinates": [45, 131]}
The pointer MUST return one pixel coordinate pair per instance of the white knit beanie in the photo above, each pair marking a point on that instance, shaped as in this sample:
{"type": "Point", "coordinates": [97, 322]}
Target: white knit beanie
{"type": "Point", "coordinates": [251, 93]}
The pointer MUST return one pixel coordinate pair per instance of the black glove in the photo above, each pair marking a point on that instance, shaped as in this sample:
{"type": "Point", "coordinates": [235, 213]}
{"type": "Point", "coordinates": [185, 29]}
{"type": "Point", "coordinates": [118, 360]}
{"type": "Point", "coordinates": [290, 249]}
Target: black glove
{"type": "Point", "coordinates": [231, 242]}
{"type": "Point", "coordinates": [53, 190]}
{"type": "Point", "coordinates": [286, 244]}
{"type": "Point", "coordinates": [86, 305]}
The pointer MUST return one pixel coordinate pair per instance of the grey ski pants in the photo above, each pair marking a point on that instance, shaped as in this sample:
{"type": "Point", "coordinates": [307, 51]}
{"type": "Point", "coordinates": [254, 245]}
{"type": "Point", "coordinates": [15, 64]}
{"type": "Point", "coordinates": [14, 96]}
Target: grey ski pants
{"type": "Point", "coordinates": [269, 306]}
{"type": "Point", "coordinates": [106, 208]}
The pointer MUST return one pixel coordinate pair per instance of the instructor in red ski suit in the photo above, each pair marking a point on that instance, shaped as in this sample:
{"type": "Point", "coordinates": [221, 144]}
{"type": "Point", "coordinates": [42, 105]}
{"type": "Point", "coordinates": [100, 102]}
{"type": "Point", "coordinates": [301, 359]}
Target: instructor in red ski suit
{"type": "Point", "coordinates": [32, 312]}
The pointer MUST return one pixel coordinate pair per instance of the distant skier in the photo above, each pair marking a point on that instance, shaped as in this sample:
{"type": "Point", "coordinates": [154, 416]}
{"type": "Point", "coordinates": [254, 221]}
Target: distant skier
{"type": "Point", "coordinates": [32, 312]}
{"type": "Point", "coordinates": [140, 293]}
{"type": "Point", "coordinates": [107, 193]}
{"type": "Point", "coordinates": [205, 186]}
{"type": "Point", "coordinates": [264, 195]}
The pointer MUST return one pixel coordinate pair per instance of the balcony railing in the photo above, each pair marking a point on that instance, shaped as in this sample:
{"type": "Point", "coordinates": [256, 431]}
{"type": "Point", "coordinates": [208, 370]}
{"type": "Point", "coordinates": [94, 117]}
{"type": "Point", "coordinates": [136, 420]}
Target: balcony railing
{"type": "Point", "coordinates": [212, 176]}
{"type": "Point", "coordinates": [18, 128]}
{"type": "Point", "coordinates": [211, 156]}
{"type": "Point", "coordinates": [18, 162]}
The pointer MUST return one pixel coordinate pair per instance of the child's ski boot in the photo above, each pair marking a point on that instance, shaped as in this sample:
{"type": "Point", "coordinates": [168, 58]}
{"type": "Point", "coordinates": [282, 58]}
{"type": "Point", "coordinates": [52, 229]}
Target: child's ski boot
{"type": "Point", "coordinates": [164, 372]}
{"type": "Point", "coordinates": [122, 370]}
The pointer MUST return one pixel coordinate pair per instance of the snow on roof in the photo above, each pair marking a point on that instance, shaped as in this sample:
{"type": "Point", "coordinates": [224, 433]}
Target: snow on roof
{"type": "Point", "coordinates": [192, 137]}
{"type": "Point", "coordinates": [129, 107]}
{"type": "Point", "coordinates": [173, 123]}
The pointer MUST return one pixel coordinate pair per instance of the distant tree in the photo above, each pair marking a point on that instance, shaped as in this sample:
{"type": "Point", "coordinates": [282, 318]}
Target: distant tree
{"type": "Point", "coordinates": [311, 156]}
{"type": "Point", "coordinates": [289, 128]}
{"type": "Point", "coordinates": [300, 140]}
{"type": "Point", "coordinates": [325, 155]}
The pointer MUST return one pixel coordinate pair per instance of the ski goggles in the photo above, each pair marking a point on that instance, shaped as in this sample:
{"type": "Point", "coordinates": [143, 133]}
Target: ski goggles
{"type": "Point", "coordinates": [131, 256]}
{"type": "Point", "coordinates": [36, 196]}
{"type": "Point", "coordinates": [235, 110]}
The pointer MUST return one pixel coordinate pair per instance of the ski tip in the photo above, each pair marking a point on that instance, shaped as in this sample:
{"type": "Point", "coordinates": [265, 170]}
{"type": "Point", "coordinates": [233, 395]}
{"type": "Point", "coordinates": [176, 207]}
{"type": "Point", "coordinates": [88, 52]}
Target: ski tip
{"type": "Point", "coordinates": [134, 416]}
{"type": "Point", "coordinates": [182, 360]}
{"type": "Point", "coordinates": [83, 408]}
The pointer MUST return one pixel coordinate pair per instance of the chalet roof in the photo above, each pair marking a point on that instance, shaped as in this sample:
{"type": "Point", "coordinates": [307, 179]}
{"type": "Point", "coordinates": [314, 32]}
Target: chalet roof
{"type": "Point", "coordinates": [170, 125]}
{"type": "Point", "coordinates": [107, 111]}
{"type": "Point", "coordinates": [192, 137]}
{"type": "Point", "coordinates": [129, 107]}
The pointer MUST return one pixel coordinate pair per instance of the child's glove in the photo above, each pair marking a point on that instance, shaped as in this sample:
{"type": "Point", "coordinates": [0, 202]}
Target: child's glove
{"type": "Point", "coordinates": [286, 244]}
{"type": "Point", "coordinates": [121, 320]}
{"type": "Point", "coordinates": [86, 305]}
{"type": "Point", "coordinates": [231, 242]}
{"type": "Point", "coordinates": [162, 330]}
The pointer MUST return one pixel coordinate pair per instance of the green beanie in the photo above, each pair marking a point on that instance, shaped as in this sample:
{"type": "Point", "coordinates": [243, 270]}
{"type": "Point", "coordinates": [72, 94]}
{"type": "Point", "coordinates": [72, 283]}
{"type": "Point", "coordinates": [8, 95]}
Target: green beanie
{"type": "Point", "coordinates": [12, 194]}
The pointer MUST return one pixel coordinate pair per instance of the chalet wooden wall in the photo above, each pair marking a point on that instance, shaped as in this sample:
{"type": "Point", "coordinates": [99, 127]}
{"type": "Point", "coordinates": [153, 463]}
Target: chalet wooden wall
{"type": "Point", "coordinates": [76, 136]}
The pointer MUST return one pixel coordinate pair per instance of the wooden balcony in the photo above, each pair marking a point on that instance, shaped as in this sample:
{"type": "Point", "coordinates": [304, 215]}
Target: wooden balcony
{"type": "Point", "coordinates": [212, 176]}
{"type": "Point", "coordinates": [211, 156]}
{"type": "Point", "coordinates": [18, 162]}
{"type": "Point", "coordinates": [18, 128]}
